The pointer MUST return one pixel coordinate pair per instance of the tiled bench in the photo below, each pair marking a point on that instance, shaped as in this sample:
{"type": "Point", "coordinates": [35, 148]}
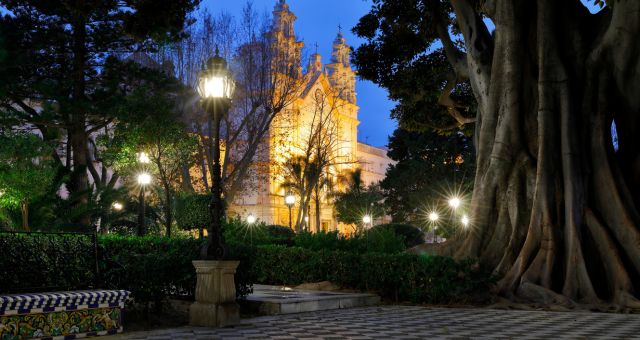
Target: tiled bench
{"type": "Point", "coordinates": [61, 315]}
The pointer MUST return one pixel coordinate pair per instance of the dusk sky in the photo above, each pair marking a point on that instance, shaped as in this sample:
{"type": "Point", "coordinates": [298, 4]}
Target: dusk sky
{"type": "Point", "coordinates": [318, 23]}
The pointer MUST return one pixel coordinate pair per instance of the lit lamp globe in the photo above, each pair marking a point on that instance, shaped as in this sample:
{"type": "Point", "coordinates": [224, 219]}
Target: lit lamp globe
{"type": "Point", "coordinates": [251, 219]}
{"type": "Point", "coordinates": [143, 158]}
{"type": "Point", "coordinates": [144, 179]}
{"type": "Point", "coordinates": [366, 219]}
{"type": "Point", "coordinates": [433, 216]}
{"type": "Point", "coordinates": [465, 221]}
{"type": "Point", "coordinates": [215, 81]}
{"type": "Point", "coordinates": [117, 206]}
{"type": "Point", "coordinates": [290, 199]}
{"type": "Point", "coordinates": [454, 202]}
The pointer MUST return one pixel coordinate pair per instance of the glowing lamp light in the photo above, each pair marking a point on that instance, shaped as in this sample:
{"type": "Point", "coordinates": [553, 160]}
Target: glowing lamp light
{"type": "Point", "coordinates": [465, 220]}
{"type": "Point", "coordinates": [215, 80]}
{"type": "Point", "coordinates": [366, 219]}
{"type": "Point", "coordinates": [144, 179]}
{"type": "Point", "coordinates": [290, 199]}
{"type": "Point", "coordinates": [143, 158]}
{"type": "Point", "coordinates": [454, 202]}
{"type": "Point", "coordinates": [306, 219]}
{"type": "Point", "coordinates": [433, 216]}
{"type": "Point", "coordinates": [117, 206]}
{"type": "Point", "coordinates": [251, 219]}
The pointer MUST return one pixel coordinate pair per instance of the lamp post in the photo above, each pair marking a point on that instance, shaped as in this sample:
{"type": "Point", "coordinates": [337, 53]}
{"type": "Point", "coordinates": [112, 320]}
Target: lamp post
{"type": "Point", "coordinates": [289, 200]}
{"type": "Point", "coordinates": [215, 296]}
{"type": "Point", "coordinates": [144, 179]}
{"type": "Point", "coordinates": [215, 86]}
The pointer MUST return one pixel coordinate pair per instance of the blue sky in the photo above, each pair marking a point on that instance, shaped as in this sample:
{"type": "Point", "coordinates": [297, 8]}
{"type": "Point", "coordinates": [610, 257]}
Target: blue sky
{"type": "Point", "coordinates": [318, 23]}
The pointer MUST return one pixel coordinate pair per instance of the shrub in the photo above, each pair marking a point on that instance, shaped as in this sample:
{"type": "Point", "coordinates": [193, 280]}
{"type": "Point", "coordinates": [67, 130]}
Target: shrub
{"type": "Point", "coordinates": [379, 240]}
{"type": "Point", "coordinates": [192, 211]}
{"type": "Point", "coordinates": [153, 268]}
{"type": "Point", "coordinates": [413, 236]}
{"type": "Point", "coordinates": [401, 276]}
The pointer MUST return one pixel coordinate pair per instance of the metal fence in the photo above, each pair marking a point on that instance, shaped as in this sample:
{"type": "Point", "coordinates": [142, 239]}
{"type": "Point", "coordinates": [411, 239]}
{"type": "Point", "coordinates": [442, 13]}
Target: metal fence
{"type": "Point", "coordinates": [36, 261]}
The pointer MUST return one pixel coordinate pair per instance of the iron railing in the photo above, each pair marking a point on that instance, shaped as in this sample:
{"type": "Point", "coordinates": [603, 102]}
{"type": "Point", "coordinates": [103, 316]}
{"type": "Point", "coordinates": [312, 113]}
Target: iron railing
{"type": "Point", "coordinates": [37, 261]}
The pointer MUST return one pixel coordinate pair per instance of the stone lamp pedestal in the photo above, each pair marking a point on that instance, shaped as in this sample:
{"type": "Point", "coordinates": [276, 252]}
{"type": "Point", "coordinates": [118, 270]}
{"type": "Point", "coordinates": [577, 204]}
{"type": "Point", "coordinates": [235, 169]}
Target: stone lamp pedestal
{"type": "Point", "coordinates": [215, 304]}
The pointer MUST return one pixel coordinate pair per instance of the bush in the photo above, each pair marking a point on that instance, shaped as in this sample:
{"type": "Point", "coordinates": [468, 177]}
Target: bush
{"type": "Point", "coordinates": [154, 268]}
{"type": "Point", "coordinates": [192, 211]}
{"type": "Point", "coordinates": [401, 276]}
{"type": "Point", "coordinates": [378, 240]}
{"type": "Point", "coordinates": [413, 236]}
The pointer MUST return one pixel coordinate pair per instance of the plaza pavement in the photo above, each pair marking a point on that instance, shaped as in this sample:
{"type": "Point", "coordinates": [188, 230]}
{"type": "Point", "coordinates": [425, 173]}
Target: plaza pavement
{"type": "Point", "coordinates": [415, 322]}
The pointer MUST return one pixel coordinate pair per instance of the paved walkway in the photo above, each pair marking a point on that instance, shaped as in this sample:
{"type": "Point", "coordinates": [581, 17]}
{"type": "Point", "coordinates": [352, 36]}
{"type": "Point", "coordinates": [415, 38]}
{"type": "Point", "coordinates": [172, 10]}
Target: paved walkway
{"type": "Point", "coordinates": [412, 322]}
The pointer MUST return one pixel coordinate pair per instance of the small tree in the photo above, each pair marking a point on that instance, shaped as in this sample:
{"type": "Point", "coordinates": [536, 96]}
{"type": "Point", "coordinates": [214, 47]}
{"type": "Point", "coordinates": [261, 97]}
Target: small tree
{"type": "Point", "coordinates": [192, 211]}
{"type": "Point", "coordinates": [26, 171]}
{"type": "Point", "coordinates": [358, 200]}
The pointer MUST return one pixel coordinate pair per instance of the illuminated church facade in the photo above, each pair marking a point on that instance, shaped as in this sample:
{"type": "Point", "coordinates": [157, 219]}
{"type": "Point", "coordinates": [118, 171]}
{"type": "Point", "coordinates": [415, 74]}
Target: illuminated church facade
{"type": "Point", "coordinates": [327, 94]}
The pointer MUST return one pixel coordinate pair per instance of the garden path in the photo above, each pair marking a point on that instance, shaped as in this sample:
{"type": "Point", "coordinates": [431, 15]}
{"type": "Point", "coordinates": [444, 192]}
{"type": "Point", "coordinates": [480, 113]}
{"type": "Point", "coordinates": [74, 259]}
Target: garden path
{"type": "Point", "coordinates": [416, 322]}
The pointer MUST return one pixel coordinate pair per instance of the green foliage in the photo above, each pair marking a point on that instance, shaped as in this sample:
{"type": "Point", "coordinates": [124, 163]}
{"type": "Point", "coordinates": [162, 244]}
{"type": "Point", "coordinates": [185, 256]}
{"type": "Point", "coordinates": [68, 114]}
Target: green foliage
{"type": "Point", "coordinates": [402, 277]}
{"type": "Point", "coordinates": [375, 240]}
{"type": "Point", "coordinates": [412, 235]}
{"type": "Point", "coordinates": [357, 200]}
{"type": "Point", "coordinates": [60, 261]}
{"type": "Point", "coordinates": [192, 210]}
{"type": "Point", "coordinates": [400, 55]}
{"type": "Point", "coordinates": [237, 231]}
{"type": "Point", "coordinates": [429, 167]}
{"type": "Point", "coordinates": [26, 170]}
{"type": "Point", "coordinates": [153, 268]}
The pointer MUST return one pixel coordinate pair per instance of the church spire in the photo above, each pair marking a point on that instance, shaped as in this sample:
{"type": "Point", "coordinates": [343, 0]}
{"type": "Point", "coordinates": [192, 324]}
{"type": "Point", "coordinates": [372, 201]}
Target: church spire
{"type": "Point", "coordinates": [284, 40]}
{"type": "Point", "coordinates": [341, 75]}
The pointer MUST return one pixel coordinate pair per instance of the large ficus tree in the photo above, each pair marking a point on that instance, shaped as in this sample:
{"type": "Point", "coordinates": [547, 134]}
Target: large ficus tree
{"type": "Point", "coordinates": [555, 208]}
{"type": "Point", "coordinates": [58, 62]}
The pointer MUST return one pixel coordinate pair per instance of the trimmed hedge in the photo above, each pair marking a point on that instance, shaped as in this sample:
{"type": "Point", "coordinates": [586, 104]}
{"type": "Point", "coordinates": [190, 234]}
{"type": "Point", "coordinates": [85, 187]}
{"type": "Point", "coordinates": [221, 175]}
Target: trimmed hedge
{"type": "Point", "coordinates": [412, 235]}
{"type": "Point", "coordinates": [381, 240]}
{"type": "Point", "coordinates": [401, 276]}
{"type": "Point", "coordinates": [154, 268]}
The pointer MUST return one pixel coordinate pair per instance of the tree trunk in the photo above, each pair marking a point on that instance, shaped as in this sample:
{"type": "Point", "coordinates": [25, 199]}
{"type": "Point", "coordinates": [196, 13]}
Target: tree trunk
{"type": "Point", "coordinates": [24, 209]}
{"type": "Point", "coordinates": [554, 208]}
{"type": "Point", "coordinates": [168, 208]}
{"type": "Point", "coordinates": [317, 201]}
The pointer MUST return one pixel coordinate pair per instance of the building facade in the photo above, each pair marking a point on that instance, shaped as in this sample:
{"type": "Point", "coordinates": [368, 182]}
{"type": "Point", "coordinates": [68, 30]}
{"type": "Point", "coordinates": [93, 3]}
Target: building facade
{"type": "Point", "coordinates": [320, 123]}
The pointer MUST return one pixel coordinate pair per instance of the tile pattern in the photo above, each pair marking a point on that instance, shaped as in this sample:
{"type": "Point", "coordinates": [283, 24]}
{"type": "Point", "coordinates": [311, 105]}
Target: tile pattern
{"type": "Point", "coordinates": [414, 322]}
{"type": "Point", "coordinates": [71, 300]}
{"type": "Point", "coordinates": [61, 315]}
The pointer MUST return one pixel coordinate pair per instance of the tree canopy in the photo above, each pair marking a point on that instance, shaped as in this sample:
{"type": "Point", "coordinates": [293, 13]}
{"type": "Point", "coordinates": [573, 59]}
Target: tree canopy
{"type": "Point", "coordinates": [555, 208]}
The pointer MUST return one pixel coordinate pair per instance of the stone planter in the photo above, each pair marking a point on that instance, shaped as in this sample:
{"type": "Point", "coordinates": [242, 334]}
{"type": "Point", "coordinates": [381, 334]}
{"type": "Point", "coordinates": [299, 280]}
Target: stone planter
{"type": "Point", "coordinates": [215, 304]}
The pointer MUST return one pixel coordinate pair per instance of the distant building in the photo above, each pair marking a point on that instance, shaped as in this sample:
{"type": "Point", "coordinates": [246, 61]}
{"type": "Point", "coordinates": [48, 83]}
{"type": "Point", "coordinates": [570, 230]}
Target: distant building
{"type": "Point", "coordinates": [336, 83]}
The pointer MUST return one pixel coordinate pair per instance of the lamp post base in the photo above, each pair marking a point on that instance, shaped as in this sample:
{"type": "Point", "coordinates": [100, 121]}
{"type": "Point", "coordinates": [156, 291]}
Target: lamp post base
{"type": "Point", "coordinates": [215, 304]}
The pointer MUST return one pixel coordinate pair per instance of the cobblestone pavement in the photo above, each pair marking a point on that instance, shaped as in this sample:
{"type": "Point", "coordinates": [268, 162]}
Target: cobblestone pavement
{"type": "Point", "coordinates": [413, 322]}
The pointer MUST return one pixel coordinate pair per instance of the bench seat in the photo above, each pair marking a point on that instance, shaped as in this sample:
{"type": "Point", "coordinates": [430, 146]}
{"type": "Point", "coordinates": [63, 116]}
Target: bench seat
{"type": "Point", "coordinates": [61, 315]}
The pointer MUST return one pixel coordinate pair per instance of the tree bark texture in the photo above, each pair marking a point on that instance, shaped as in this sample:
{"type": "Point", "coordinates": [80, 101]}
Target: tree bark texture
{"type": "Point", "coordinates": [555, 207]}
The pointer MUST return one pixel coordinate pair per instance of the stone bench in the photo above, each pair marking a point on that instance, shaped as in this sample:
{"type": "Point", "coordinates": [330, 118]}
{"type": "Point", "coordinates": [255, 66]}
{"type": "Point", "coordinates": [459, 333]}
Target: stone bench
{"type": "Point", "coordinates": [61, 315]}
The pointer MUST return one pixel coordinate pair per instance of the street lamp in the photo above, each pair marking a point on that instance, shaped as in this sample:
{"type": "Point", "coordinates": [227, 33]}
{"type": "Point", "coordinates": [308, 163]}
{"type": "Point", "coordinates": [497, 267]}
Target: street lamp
{"type": "Point", "coordinates": [289, 200]}
{"type": "Point", "coordinates": [144, 179]}
{"type": "Point", "coordinates": [366, 219]}
{"type": "Point", "coordinates": [465, 220]}
{"type": "Point", "coordinates": [143, 158]}
{"type": "Point", "coordinates": [251, 219]}
{"type": "Point", "coordinates": [215, 86]}
{"type": "Point", "coordinates": [454, 202]}
{"type": "Point", "coordinates": [117, 206]}
{"type": "Point", "coordinates": [433, 216]}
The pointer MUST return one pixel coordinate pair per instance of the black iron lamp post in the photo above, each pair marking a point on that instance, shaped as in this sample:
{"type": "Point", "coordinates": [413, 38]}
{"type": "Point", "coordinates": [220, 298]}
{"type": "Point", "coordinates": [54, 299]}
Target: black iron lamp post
{"type": "Point", "coordinates": [215, 86]}
{"type": "Point", "coordinates": [289, 200]}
